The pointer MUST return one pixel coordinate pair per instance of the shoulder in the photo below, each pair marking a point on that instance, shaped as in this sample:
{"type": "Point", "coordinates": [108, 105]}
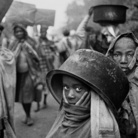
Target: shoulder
{"type": "Point", "coordinates": [133, 76]}
{"type": "Point", "coordinates": [31, 41]}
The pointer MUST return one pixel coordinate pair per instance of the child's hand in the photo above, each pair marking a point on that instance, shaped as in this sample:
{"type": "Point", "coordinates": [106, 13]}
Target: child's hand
{"type": "Point", "coordinates": [39, 87]}
{"type": "Point", "coordinates": [64, 98]}
{"type": "Point", "coordinates": [84, 100]}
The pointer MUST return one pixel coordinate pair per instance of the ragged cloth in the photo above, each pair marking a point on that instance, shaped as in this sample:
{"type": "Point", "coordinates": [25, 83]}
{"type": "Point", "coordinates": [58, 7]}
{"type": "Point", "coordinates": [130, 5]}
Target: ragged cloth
{"type": "Point", "coordinates": [7, 91]}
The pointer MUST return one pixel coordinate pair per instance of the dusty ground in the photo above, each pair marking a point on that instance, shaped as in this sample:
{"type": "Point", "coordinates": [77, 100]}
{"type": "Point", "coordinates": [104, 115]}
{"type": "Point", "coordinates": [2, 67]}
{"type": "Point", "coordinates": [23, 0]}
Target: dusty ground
{"type": "Point", "coordinates": [43, 120]}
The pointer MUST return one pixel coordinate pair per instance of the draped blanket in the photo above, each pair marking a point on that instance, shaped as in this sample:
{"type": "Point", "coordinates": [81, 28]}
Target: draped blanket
{"type": "Point", "coordinates": [7, 90]}
{"type": "Point", "coordinates": [34, 72]}
{"type": "Point", "coordinates": [75, 121]}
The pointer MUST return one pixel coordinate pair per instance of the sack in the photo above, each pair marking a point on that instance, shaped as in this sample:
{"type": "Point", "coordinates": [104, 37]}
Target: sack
{"type": "Point", "coordinates": [45, 17]}
{"type": "Point", "coordinates": [20, 12]}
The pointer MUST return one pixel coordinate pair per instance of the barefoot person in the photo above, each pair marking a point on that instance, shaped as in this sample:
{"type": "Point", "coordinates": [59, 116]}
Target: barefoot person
{"type": "Point", "coordinates": [27, 68]}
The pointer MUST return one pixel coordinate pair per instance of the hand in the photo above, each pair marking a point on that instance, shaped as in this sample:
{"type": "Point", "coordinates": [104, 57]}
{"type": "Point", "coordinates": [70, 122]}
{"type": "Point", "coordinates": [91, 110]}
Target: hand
{"type": "Point", "coordinates": [84, 100]}
{"type": "Point", "coordinates": [90, 11]}
{"type": "Point", "coordinates": [39, 87]}
{"type": "Point", "coordinates": [64, 98]}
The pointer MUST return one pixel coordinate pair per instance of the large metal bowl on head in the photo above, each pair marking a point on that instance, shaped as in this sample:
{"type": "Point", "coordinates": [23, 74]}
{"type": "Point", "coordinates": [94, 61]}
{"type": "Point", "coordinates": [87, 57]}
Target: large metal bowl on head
{"type": "Point", "coordinates": [110, 14]}
{"type": "Point", "coordinates": [95, 70]}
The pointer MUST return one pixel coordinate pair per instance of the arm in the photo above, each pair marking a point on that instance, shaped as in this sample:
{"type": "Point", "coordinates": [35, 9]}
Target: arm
{"type": "Point", "coordinates": [31, 50]}
{"type": "Point", "coordinates": [81, 28]}
{"type": "Point", "coordinates": [4, 43]}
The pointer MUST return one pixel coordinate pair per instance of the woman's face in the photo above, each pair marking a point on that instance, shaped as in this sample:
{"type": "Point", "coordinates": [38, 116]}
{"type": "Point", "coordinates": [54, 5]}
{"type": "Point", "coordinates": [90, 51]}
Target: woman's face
{"type": "Point", "coordinates": [124, 50]}
{"type": "Point", "coordinates": [19, 33]}
{"type": "Point", "coordinates": [73, 89]}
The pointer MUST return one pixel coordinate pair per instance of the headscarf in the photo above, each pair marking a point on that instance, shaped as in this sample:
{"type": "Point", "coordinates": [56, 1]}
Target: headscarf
{"type": "Point", "coordinates": [20, 26]}
{"type": "Point", "coordinates": [128, 112]}
{"type": "Point", "coordinates": [129, 35]}
{"type": "Point", "coordinates": [111, 30]}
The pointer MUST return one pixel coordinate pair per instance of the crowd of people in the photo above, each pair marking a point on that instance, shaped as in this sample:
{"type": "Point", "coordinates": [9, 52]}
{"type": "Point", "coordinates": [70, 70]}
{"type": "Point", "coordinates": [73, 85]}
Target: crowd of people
{"type": "Point", "coordinates": [95, 82]}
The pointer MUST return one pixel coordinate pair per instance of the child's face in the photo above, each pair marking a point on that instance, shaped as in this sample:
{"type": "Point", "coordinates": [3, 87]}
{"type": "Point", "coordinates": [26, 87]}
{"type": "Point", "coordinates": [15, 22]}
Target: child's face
{"type": "Point", "coordinates": [73, 89]}
{"type": "Point", "coordinates": [124, 50]}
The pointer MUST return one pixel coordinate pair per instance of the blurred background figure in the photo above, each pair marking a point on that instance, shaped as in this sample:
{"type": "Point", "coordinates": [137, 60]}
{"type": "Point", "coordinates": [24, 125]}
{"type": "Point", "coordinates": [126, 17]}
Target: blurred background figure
{"type": "Point", "coordinates": [28, 72]}
{"type": "Point", "coordinates": [100, 40]}
{"type": "Point", "coordinates": [46, 60]}
{"type": "Point", "coordinates": [7, 92]}
{"type": "Point", "coordinates": [63, 53]}
{"type": "Point", "coordinates": [70, 43]}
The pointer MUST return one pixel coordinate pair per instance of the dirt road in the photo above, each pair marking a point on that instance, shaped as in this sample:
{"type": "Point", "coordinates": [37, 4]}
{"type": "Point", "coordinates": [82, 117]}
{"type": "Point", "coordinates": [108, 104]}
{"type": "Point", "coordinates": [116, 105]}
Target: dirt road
{"type": "Point", "coordinates": [43, 120]}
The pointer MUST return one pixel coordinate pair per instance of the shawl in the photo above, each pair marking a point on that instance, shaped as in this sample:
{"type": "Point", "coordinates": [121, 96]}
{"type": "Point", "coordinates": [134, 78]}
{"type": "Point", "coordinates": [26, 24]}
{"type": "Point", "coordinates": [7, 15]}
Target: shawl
{"type": "Point", "coordinates": [32, 58]}
{"type": "Point", "coordinates": [7, 90]}
{"type": "Point", "coordinates": [96, 121]}
{"type": "Point", "coordinates": [129, 110]}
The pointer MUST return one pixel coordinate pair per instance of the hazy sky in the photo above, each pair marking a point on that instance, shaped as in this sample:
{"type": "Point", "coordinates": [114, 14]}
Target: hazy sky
{"type": "Point", "coordinates": [58, 5]}
{"type": "Point", "coordinates": [49, 4]}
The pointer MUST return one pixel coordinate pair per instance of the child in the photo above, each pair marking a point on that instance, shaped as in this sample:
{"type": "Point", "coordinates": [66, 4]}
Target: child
{"type": "Point", "coordinates": [90, 89]}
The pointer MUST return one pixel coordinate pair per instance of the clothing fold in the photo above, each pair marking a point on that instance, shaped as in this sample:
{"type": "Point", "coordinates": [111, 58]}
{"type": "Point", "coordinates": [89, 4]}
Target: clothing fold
{"type": "Point", "coordinates": [7, 91]}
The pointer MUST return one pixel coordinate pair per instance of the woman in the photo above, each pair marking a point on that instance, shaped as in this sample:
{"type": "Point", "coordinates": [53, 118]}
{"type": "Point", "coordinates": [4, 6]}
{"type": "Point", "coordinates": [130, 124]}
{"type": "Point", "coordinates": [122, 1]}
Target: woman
{"type": "Point", "coordinates": [28, 72]}
{"type": "Point", "coordinates": [124, 52]}
{"type": "Point", "coordinates": [87, 106]}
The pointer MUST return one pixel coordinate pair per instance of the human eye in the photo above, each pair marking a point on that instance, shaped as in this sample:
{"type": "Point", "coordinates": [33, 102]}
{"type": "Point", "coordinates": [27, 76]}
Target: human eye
{"type": "Point", "coordinates": [116, 54]}
{"type": "Point", "coordinates": [65, 87]}
{"type": "Point", "coordinates": [79, 89]}
{"type": "Point", "coordinates": [130, 54]}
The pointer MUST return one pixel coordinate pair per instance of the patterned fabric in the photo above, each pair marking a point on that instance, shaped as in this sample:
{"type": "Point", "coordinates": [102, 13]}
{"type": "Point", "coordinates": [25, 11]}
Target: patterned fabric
{"type": "Point", "coordinates": [43, 64]}
{"type": "Point", "coordinates": [45, 54]}
{"type": "Point", "coordinates": [46, 58]}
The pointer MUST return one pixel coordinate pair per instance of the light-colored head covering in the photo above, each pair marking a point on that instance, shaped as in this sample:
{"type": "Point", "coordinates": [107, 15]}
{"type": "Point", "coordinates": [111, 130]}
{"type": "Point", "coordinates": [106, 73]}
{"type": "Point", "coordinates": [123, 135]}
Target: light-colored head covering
{"type": "Point", "coordinates": [19, 25]}
{"type": "Point", "coordinates": [111, 32]}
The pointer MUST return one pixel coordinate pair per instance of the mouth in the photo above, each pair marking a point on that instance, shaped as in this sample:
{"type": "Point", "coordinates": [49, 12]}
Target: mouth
{"type": "Point", "coordinates": [71, 101]}
{"type": "Point", "coordinates": [124, 69]}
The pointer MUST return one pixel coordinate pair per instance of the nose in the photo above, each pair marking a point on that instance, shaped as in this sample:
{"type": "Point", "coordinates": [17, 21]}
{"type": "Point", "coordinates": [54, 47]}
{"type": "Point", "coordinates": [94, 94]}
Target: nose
{"type": "Point", "coordinates": [71, 94]}
{"type": "Point", "coordinates": [123, 59]}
